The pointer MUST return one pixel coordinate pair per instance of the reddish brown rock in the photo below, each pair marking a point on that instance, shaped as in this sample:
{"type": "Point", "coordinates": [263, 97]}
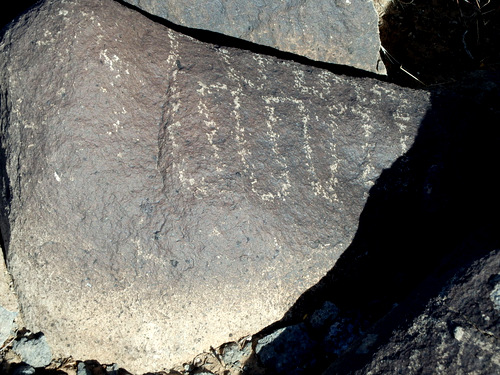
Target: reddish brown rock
{"type": "Point", "coordinates": [162, 195]}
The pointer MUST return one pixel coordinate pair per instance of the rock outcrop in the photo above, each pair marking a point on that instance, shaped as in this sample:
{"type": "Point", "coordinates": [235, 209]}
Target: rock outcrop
{"type": "Point", "coordinates": [161, 195]}
{"type": "Point", "coordinates": [425, 258]}
{"type": "Point", "coordinates": [457, 333]}
{"type": "Point", "coordinates": [340, 32]}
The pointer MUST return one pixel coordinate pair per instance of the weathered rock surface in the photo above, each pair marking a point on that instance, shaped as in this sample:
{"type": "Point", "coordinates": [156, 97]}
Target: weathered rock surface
{"type": "Point", "coordinates": [341, 32]}
{"type": "Point", "coordinates": [9, 309]}
{"type": "Point", "coordinates": [295, 342]}
{"type": "Point", "coordinates": [7, 324]}
{"type": "Point", "coordinates": [457, 333]}
{"type": "Point", "coordinates": [429, 228]}
{"type": "Point", "coordinates": [33, 351]}
{"type": "Point", "coordinates": [172, 195]}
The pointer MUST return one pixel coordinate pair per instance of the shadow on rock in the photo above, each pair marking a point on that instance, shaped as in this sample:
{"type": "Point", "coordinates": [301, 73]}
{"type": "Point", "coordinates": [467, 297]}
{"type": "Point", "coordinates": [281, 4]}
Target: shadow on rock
{"type": "Point", "coordinates": [429, 217]}
{"type": "Point", "coordinates": [438, 41]}
{"type": "Point", "coordinates": [15, 9]}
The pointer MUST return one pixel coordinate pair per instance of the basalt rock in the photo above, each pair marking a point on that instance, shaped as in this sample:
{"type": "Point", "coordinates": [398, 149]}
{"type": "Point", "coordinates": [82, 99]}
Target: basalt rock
{"type": "Point", "coordinates": [161, 195]}
{"type": "Point", "coordinates": [458, 332]}
{"type": "Point", "coordinates": [341, 32]}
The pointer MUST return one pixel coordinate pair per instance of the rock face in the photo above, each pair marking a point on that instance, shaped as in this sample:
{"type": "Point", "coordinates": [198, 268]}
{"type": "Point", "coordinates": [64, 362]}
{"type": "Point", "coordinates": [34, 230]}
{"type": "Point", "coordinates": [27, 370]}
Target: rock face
{"type": "Point", "coordinates": [341, 32]}
{"type": "Point", "coordinates": [170, 194]}
{"type": "Point", "coordinates": [458, 332]}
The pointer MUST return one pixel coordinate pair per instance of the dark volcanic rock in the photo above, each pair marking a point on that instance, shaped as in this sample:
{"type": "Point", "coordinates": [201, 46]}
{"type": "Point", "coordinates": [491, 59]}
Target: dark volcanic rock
{"type": "Point", "coordinates": [289, 350]}
{"type": "Point", "coordinates": [341, 32]}
{"type": "Point", "coordinates": [170, 194]}
{"type": "Point", "coordinates": [418, 263]}
{"type": "Point", "coordinates": [457, 333]}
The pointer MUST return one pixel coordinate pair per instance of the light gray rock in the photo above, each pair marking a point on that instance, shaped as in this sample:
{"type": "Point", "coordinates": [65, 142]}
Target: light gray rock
{"type": "Point", "coordinates": [81, 369]}
{"type": "Point", "coordinates": [7, 325]}
{"type": "Point", "coordinates": [112, 369]}
{"type": "Point", "coordinates": [266, 340]}
{"type": "Point", "coordinates": [233, 355]}
{"type": "Point", "coordinates": [183, 194]}
{"type": "Point", "coordinates": [33, 351]}
{"type": "Point", "coordinates": [341, 31]}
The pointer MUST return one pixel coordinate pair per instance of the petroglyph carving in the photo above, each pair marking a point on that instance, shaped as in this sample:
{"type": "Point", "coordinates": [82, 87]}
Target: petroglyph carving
{"type": "Point", "coordinates": [216, 175]}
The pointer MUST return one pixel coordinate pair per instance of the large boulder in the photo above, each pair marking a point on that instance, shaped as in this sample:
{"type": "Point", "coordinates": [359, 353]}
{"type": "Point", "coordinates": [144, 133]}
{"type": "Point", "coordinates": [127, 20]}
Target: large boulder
{"type": "Point", "coordinates": [341, 32]}
{"type": "Point", "coordinates": [161, 195]}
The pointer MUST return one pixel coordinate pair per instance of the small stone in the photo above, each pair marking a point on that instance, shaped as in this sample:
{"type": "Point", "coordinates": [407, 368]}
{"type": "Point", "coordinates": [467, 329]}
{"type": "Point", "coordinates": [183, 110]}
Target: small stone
{"type": "Point", "coordinates": [231, 353]}
{"type": "Point", "coordinates": [112, 369]}
{"type": "Point", "coordinates": [35, 352]}
{"type": "Point", "coordinates": [82, 369]}
{"type": "Point", "coordinates": [268, 339]}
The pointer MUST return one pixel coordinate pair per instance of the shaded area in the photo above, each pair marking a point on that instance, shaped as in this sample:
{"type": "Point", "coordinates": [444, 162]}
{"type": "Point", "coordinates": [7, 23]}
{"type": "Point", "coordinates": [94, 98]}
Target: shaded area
{"type": "Point", "coordinates": [5, 199]}
{"type": "Point", "coordinates": [429, 216]}
{"type": "Point", "coordinates": [13, 10]}
{"type": "Point", "coordinates": [438, 41]}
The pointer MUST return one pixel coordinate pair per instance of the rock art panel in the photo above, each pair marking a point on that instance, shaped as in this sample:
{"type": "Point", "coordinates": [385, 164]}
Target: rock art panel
{"type": "Point", "coordinates": [162, 195]}
{"type": "Point", "coordinates": [340, 32]}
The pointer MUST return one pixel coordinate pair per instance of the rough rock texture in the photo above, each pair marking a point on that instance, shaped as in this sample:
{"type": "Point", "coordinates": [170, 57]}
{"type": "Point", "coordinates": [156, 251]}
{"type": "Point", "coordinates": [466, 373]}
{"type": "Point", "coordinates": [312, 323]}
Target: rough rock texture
{"type": "Point", "coordinates": [457, 333]}
{"type": "Point", "coordinates": [308, 346]}
{"type": "Point", "coordinates": [341, 32]}
{"type": "Point", "coordinates": [172, 195]}
{"type": "Point", "coordinates": [287, 350]}
{"type": "Point", "coordinates": [8, 299]}
{"type": "Point", "coordinates": [7, 324]}
{"type": "Point", "coordinates": [34, 351]}
{"type": "Point", "coordinates": [429, 218]}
